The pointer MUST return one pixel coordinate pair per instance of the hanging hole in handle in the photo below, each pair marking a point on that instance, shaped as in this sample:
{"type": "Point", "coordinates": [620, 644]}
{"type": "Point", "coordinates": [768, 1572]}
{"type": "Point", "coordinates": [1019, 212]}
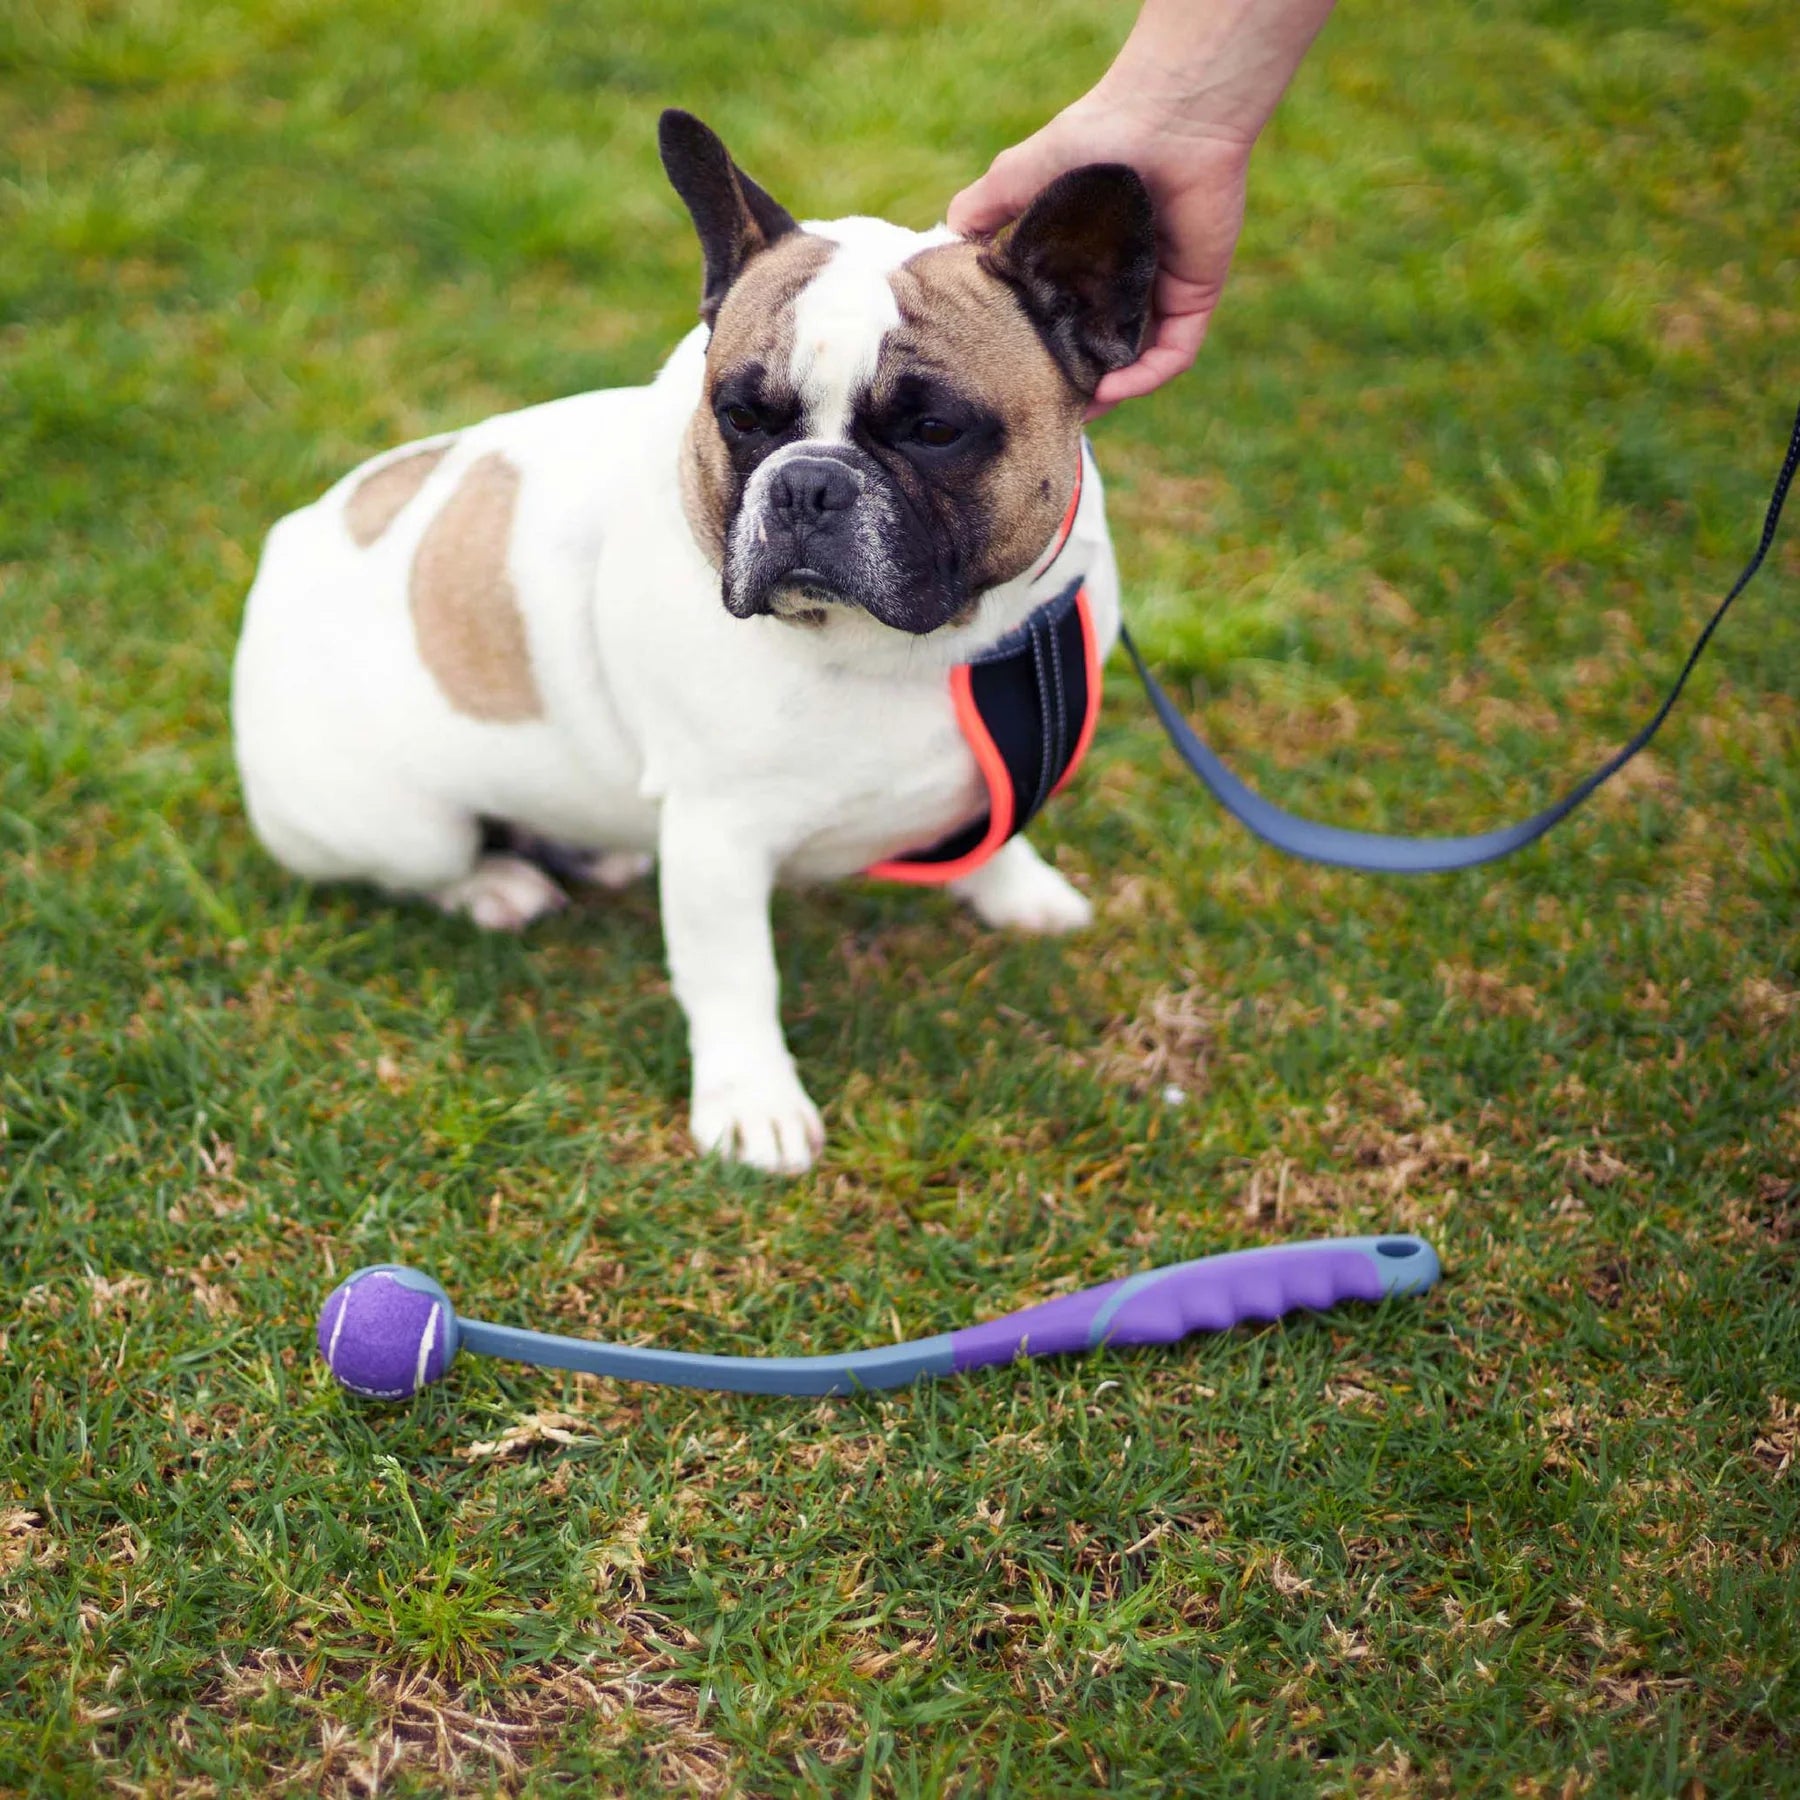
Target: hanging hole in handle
{"type": "Point", "coordinates": [1398, 1247]}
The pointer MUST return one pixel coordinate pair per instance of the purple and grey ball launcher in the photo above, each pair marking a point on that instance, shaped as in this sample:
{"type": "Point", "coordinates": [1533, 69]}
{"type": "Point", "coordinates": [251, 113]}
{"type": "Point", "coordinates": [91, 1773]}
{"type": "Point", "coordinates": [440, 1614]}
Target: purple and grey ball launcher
{"type": "Point", "coordinates": [387, 1331]}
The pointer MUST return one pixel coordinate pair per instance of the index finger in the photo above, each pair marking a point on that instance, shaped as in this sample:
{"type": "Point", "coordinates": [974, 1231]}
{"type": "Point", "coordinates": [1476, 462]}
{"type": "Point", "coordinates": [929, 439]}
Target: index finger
{"type": "Point", "coordinates": [980, 208]}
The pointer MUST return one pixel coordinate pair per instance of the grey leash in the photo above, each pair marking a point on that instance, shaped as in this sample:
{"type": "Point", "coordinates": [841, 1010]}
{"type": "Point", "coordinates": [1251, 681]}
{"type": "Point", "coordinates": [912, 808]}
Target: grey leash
{"type": "Point", "coordinates": [1377, 852]}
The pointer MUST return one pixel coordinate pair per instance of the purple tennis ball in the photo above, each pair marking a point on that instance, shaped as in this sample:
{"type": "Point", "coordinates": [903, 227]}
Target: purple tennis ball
{"type": "Point", "coordinates": [387, 1331]}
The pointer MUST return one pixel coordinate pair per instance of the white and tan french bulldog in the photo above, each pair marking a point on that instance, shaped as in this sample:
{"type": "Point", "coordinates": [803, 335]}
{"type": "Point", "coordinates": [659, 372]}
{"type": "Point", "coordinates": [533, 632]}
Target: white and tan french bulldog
{"type": "Point", "coordinates": [709, 621]}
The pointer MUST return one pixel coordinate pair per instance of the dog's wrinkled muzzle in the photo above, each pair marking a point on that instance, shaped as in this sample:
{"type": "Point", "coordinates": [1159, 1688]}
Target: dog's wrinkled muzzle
{"type": "Point", "coordinates": [801, 530]}
{"type": "Point", "coordinates": [822, 526]}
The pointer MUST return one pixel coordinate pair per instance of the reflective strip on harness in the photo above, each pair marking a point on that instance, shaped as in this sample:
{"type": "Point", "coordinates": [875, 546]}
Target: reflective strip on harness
{"type": "Point", "coordinates": [1027, 708]}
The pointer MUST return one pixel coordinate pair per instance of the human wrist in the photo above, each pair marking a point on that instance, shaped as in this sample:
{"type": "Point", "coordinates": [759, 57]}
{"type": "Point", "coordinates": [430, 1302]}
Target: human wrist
{"type": "Point", "coordinates": [1208, 71]}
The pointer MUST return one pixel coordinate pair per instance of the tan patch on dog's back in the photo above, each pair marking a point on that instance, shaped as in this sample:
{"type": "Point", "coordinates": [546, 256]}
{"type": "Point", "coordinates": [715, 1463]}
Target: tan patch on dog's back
{"type": "Point", "coordinates": [970, 326]}
{"type": "Point", "coordinates": [755, 324]}
{"type": "Point", "coordinates": [379, 498]}
{"type": "Point", "coordinates": [466, 616]}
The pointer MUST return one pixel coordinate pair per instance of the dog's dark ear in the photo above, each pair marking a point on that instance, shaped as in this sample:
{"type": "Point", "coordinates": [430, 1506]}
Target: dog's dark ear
{"type": "Point", "coordinates": [734, 217]}
{"type": "Point", "coordinates": [1082, 259]}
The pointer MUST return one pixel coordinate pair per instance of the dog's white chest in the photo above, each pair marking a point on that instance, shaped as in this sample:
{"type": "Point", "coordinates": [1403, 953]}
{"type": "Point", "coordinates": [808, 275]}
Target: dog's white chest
{"type": "Point", "coordinates": [831, 767]}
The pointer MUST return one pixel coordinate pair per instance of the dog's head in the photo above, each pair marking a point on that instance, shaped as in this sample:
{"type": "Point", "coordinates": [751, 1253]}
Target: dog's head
{"type": "Point", "coordinates": [891, 420]}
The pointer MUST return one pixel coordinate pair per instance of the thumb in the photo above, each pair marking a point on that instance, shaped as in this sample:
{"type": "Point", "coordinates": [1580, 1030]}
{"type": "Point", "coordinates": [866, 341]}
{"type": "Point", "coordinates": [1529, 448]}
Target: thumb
{"type": "Point", "coordinates": [1010, 184]}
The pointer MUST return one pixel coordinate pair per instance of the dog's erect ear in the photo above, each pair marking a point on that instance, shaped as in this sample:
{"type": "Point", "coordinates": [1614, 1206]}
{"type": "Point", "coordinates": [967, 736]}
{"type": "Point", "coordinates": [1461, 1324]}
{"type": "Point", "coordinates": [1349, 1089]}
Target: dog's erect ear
{"type": "Point", "coordinates": [734, 217]}
{"type": "Point", "coordinates": [1082, 259]}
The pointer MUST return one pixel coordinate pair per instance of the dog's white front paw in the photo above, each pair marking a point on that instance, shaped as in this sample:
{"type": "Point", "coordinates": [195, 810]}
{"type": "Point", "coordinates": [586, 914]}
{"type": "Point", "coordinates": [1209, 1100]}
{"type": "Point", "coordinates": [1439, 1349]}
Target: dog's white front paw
{"type": "Point", "coordinates": [1019, 891]}
{"type": "Point", "coordinates": [503, 893]}
{"type": "Point", "coordinates": [760, 1117]}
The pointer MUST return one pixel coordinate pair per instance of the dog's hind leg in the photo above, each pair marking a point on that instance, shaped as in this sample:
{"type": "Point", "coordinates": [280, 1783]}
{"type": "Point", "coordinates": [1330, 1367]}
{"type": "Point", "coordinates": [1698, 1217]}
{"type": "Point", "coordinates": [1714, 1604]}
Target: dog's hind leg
{"type": "Point", "coordinates": [402, 842]}
{"type": "Point", "coordinates": [610, 869]}
{"type": "Point", "coordinates": [615, 870]}
{"type": "Point", "coordinates": [502, 893]}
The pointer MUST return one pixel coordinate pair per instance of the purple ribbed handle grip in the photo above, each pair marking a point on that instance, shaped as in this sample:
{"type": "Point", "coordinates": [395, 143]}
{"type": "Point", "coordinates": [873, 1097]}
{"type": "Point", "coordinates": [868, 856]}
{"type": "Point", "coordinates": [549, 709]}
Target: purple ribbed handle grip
{"type": "Point", "coordinates": [1056, 1328]}
{"type": "Point", "coordinates": [1165, 1304]}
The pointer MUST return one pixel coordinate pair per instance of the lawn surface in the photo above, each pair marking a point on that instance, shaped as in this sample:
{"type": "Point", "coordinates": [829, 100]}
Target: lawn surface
{"type": "Point", "coordinates": [1486, 421]}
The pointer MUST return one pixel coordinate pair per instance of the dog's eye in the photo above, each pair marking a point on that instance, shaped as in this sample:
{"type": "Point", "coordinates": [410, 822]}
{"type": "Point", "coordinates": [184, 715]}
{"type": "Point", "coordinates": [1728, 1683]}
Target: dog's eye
{"type": "Point", "coordinates": [937, 434]}
{"type": "Point", "coordinates": [740, 418]}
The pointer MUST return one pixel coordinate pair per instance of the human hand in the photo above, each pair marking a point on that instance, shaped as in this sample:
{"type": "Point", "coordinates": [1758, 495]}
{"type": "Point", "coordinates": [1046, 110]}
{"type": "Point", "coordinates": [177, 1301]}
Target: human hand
{"type": "Point", "coordinates": [1182, 103]}
{"type": "Point", "coordinates": [1196, 181]}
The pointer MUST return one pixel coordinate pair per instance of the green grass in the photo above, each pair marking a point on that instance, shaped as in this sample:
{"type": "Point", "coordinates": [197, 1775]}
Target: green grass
{"type": "Point", "coordinates": [1486, 420]}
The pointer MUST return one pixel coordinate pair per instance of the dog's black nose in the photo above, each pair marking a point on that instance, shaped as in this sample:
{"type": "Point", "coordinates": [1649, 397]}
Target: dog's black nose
{"type": "Point", "coordinates": [808, 487]}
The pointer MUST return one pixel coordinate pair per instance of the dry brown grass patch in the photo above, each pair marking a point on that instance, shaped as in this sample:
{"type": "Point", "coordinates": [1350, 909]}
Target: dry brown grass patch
{"type": "Point", "coordinates": [1764, 1004]}
{"type": "Point", "coordinates": [1778, 1443]}
{"type": "Point", "coordinates": [465, 1743]}
{"type": "Point", "coordinates": [25, 1538]}
{"type": "Point", "coordinates": [1169, 1043]}
{"type": "Point", "coordinates": [1488, 991]}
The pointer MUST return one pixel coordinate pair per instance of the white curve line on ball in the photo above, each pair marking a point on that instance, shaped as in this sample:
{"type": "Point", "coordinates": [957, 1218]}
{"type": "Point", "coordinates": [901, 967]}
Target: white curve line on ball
{"type": "Point", "coordinates": [337, 1331]}
{"type": "Point", "coordinates": [425, 1339]}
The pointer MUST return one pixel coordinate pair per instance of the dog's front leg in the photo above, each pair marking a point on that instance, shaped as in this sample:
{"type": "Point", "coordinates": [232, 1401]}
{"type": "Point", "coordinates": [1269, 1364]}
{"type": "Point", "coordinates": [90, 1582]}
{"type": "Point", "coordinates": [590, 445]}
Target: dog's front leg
{"type": "Point", "coordinates": [747, 1101]}
{"type": "Point", "coordinates": [1016, 890]}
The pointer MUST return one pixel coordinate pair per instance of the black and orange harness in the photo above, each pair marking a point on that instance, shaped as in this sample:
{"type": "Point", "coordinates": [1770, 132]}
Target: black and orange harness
{"type": "Point", "coordinates": [1027, 707]}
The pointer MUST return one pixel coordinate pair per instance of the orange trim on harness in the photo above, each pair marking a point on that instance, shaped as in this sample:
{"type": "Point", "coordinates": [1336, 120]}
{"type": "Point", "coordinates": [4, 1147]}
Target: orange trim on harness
{"type": "Point", "coordinates": [995, 775]}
